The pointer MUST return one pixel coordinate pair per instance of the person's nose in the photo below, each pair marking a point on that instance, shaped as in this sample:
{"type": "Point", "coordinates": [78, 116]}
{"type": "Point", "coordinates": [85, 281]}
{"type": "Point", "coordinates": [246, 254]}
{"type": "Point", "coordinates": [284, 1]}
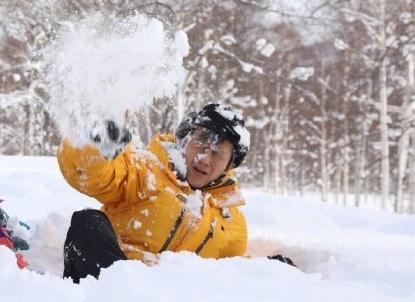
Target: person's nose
{"type": "Point", "coordinates": [206, 159]}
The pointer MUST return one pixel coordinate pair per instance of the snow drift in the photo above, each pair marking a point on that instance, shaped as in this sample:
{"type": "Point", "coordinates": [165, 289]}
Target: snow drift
{"type": "Point", "coordinates": [344, 253]}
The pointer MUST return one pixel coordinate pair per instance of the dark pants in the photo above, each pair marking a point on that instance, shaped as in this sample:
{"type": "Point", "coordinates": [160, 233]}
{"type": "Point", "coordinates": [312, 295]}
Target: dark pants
{"type": "Point", "coordinates": [90, 245]}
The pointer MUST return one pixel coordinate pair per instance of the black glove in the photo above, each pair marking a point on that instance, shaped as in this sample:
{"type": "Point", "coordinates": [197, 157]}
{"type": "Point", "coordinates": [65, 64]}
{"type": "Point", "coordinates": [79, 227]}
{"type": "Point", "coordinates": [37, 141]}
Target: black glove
{"type": "Point", "coordinates": [109, 139]}
{"type": "Point", "coordinates": [282, 259]}
{"type": "Point", "coordinates": [113, 133]}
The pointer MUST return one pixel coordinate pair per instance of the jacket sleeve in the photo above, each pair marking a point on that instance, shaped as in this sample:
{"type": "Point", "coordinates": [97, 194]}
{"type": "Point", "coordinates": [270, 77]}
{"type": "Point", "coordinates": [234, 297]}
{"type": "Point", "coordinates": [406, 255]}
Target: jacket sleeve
{"type": "Point", "coordinates": [89, 173]}
{"type": "Point", "coordinates": [238, 233]}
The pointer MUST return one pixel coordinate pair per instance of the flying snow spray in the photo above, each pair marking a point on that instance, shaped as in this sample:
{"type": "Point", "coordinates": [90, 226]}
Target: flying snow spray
{"type": "Point", "coordinates": [102, 66]}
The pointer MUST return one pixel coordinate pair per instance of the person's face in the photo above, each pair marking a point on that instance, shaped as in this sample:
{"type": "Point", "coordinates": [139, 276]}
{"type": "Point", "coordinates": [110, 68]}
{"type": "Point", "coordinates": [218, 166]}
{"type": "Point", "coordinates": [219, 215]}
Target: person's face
{"type": "Point", "coordinates": [205, 159]}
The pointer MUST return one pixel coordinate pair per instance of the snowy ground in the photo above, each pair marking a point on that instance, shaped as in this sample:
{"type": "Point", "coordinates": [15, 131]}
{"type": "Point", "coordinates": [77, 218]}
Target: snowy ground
{"type": "Point", "coordinates": [345, 254]}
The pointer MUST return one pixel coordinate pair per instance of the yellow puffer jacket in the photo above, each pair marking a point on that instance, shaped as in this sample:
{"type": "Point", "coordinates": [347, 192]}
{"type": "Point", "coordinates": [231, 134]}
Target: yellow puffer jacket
{"type": "Point", "coordinates": [150, 209]}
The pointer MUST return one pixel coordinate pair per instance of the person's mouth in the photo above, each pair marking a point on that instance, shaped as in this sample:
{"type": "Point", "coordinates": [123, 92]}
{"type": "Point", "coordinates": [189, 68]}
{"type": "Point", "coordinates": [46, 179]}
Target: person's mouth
{"type": "Point", "coordinates": [199, 171]}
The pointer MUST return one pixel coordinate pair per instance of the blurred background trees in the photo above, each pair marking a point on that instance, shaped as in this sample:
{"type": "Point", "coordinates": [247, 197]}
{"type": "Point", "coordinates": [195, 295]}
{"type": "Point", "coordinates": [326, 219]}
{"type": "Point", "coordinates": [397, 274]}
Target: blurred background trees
{"type": "Point", "coordinates": [327, 87]}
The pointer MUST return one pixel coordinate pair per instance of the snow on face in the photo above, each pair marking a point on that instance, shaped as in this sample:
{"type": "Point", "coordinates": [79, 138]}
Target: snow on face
{"type": "Point", "coordinates": [102, 66]}
{"type": "Point", "coordinates": [177, 152]}
{"type": "Point", "coordinates": [200, 156]}
{"type": "Point", "coordinates": [206, 158]}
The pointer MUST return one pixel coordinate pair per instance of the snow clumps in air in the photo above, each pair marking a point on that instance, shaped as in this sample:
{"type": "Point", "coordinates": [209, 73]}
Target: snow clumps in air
{"type": "Point", "coordinates": [101, 66]}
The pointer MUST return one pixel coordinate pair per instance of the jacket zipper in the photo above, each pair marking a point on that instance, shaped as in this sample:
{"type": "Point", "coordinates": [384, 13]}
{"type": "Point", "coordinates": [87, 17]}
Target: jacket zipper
{"type": "Point", "coordinates": [173, 231]}
{"type": "Point", "coordinates": [205, 240]}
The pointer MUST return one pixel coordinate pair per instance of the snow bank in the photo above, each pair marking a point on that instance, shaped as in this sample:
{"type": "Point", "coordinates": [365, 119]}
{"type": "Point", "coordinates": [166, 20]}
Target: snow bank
{"type": "Point", "coordinates": [342, 244]}
{"type": "Point", "coordinates": [344, 253]}
{"type": "Point", "coordinates": [104, 65]}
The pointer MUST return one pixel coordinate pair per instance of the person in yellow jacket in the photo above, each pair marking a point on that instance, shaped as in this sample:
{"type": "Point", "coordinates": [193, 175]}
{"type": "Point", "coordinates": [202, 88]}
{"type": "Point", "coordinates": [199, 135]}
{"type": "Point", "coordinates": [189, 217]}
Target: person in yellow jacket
{"type": "Point", "coordinates": [178, 194]}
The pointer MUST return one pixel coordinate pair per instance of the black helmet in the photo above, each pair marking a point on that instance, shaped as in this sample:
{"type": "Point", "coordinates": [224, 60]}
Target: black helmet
{"type": "Point", "coordinates": [223, 120]}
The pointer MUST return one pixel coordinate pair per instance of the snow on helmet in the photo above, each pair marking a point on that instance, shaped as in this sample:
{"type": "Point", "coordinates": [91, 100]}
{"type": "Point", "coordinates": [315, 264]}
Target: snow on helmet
{"type": "Point", "coordinates": [223, 120]}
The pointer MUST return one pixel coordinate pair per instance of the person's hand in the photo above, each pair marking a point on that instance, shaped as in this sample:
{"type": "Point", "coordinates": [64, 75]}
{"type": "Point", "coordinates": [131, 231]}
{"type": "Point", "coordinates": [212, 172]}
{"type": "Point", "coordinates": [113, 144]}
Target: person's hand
{"type": "Point", "coordinates": [109, 138]}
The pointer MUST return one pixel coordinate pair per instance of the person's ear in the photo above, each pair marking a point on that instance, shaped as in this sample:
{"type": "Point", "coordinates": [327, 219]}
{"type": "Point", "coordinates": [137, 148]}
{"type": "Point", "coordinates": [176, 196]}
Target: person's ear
{"type": "Point", "coordinates": [231, 164]}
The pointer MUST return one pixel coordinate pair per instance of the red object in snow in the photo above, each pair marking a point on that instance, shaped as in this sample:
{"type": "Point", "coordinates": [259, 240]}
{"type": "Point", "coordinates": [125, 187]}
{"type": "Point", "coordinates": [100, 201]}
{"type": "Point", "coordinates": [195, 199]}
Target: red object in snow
{"type": "Point", "coordinates": [21, 261]}
{"type": "Point", "coordinates": [7, 242]}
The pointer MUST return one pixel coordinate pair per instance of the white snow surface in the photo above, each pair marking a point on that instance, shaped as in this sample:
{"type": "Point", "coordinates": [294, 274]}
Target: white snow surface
{"type": "Point", "coordinates": [344, 253]}
{"type": "Point", "coordinates": [101, 66]}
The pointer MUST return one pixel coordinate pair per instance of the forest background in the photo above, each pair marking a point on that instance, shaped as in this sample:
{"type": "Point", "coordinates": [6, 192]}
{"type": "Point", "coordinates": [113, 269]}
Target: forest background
{"type": "Point", "coordinates": [327, 87]}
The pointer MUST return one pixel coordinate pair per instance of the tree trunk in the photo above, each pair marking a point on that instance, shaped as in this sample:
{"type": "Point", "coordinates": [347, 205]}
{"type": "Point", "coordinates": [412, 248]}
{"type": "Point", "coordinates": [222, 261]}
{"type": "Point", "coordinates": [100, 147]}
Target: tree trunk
{"type": "Point", "coordinates": [403, 158]}
{"type": "Point", "coordinates": [323, 144]}
{"type": "Point", "coordinates": [411, 183]}
{"type": "Point", "coordinates": [361, 153]}
{"type": "Point", "coordinates": [302, 178]}
{"type": "Point", "coordinates": [411, 95]}
{"type": "Point", "coordinates": [267, 166]}
{"type": "Point", "coordinates": [345, 176]}
{"type": "Point", "coordinates": [345, 97]}
{"type": "Point", "coordinates": [28, 133]}
{"type": "Point", "coordinates": [258, 139]}
{"type": "Point", "coordinates": [180, 103]}
{"type": "Point", "coordinates": [338, 178]}
{"type": "Point", "coordinates": [275, 152]}
{"type": "Point", "coordinates": [357, 179]}
{"type": "Point", "coordinates": [199, 95]}
{"type": "Point", "coordinates": [286, 126]}
{"type": "Point", "coordinates": [148, 123]}
{"type": "Point", "coordinates": [385, 178]}
{"type": "Point", "coordinates": [269, 159]}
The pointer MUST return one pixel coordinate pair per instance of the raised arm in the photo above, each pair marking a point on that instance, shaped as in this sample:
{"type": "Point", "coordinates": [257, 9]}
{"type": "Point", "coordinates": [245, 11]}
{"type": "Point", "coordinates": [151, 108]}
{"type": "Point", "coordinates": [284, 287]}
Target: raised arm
{"type": "Point", "coordinates": [90, 172]}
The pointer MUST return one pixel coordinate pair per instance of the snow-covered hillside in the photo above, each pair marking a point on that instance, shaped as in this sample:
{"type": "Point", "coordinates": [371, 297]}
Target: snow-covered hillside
{"type": "Point", "coordinates": [345, 254]}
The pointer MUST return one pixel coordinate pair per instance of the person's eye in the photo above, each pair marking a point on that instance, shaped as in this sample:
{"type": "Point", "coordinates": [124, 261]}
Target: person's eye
{"type": "Point", "coordinates": [218, 154]}
{"type": "Point", "coordinates": [198, 144]}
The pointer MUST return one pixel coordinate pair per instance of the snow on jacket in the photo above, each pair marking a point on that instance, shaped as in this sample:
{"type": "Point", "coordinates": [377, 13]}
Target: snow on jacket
{"type": "Point", "coordinates": [151, 209]}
